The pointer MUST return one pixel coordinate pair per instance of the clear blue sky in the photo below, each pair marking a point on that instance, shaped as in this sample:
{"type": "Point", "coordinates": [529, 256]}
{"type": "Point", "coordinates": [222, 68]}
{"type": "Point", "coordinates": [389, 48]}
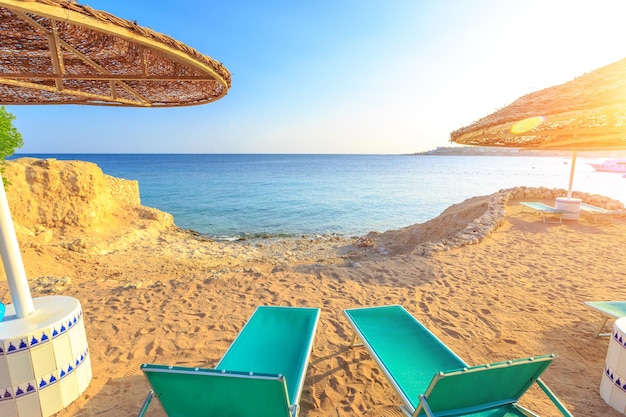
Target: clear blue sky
{"type": "Point", "coordinates": [342, 76]}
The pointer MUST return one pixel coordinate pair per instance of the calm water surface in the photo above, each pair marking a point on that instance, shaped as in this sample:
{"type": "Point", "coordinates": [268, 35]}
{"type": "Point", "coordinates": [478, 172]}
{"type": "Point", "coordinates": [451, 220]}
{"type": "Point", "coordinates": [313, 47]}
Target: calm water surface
{"type": "Point", "coordinates": [226, 196]}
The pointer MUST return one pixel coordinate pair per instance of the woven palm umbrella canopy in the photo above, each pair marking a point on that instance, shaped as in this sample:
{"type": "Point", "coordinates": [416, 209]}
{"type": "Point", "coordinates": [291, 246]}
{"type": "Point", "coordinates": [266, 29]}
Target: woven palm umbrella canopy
{"type": "Point", "coordinates": [586, 113]}
{"type": "Point", "coordinates": [60, 52]}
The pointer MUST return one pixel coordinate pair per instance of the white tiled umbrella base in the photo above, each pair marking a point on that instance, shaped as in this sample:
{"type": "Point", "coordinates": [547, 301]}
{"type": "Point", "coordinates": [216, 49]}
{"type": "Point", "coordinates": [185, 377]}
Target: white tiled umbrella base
{"type": "Point", "coordinates": [569, 204]}
{"type": "Point", "coordinates": [613, 383]}
{"type": "Point", "coordinates": [44, 358]}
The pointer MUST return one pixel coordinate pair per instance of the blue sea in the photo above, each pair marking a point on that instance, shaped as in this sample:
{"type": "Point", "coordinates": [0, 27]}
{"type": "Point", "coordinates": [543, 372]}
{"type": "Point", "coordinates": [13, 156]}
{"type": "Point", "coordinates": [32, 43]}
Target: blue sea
{"type": "Point", "coordinates": [230, 196]}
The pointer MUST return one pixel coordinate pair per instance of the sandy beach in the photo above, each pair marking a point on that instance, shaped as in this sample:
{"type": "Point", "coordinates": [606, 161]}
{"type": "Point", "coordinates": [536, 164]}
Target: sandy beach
{"type": "Point", "coordinates": [154, 293]}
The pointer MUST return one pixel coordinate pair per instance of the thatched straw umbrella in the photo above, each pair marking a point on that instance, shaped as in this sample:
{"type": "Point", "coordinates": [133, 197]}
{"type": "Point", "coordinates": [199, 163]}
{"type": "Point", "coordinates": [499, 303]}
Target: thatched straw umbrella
{"type": "Point", "coordinates": [60, 52]}
{"type": "Point", "coordinates": [587, 113]}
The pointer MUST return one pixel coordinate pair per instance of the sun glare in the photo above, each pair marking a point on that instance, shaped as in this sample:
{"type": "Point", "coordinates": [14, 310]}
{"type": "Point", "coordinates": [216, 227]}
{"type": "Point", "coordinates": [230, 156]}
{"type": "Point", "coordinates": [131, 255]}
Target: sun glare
{"type": "Point", "coordinates": [527, 124]}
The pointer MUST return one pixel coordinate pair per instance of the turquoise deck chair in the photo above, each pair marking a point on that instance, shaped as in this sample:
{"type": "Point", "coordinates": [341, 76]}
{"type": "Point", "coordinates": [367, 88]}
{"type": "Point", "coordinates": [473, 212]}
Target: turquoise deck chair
{"type": "Point", "coordinates": [432, 380]}
{"type": "Point", "coordinates": [261, 374]}
{"type": "Point", "coordinates": [609, 310]}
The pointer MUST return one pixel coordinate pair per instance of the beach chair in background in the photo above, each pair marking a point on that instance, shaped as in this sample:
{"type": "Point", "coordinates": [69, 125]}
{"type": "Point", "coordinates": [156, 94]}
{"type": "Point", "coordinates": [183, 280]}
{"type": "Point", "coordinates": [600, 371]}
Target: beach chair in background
{"type": "Point", "coordinates": [261, 374]}
{"type": "Point", "coordinates": [596, 212]}
{"type": "Point", "coordinates": [545, 211]}
{"type": "Point", "coordinates": [432, 380]}
{"type": "Point", "coordinates": [608, 310]}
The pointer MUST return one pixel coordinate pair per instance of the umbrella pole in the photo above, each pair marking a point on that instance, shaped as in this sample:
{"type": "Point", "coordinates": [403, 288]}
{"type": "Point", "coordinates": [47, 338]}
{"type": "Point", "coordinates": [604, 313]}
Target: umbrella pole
{"type": "Point", "coordinates": [571, 176]}
{"type": "Point", "coordinates": [12, 260]}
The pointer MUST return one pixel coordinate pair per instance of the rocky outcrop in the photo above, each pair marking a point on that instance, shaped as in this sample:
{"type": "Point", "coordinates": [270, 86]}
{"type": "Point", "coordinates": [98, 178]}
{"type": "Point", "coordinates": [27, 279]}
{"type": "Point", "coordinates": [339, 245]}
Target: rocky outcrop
{"type": "Point", "coordinates": [75, 200]}
{"type": "Point", "coordinates": [74, 205]}
{"type": "Point", "coordinates": [470, 222]}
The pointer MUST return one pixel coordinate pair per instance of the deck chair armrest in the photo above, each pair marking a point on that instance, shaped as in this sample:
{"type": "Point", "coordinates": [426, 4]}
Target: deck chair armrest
{"type": "Point", "coordinates": [557, 403]}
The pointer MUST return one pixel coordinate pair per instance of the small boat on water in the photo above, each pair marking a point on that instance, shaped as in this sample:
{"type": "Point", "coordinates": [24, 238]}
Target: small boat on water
{"type": "Point", "coordinates": [611, 165]}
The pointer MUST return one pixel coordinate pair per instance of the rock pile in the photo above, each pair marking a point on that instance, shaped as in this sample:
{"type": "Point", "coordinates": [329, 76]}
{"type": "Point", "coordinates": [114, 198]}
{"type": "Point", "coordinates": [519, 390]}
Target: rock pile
{"type": "Point", "coordinates": [493, 217]}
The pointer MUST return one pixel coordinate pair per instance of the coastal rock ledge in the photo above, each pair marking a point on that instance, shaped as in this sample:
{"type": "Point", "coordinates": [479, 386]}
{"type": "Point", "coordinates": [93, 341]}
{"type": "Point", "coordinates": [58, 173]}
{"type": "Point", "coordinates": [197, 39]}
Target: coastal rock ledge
{"type": "Point", "coordinates": [471, 221]}
{"type": "Point", "coordinates": [75, 202]}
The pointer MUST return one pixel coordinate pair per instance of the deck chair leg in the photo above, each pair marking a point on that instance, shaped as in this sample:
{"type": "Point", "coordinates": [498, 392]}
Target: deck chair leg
{"type": "Point", "coordinates": [146, 404]}
{"type": "Point", "coordinates": [422, 405]}
{"type": "Point", "coordinates": [553, 398]}
{"type": "Point", "coordinates": [600, 327]}
{"type": "Point", "coordinates": [353, 341]}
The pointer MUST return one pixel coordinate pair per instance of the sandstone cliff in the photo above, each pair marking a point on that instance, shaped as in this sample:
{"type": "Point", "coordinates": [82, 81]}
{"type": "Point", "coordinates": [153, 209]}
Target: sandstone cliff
{"type": "Point", "coordinates": [75, 204]}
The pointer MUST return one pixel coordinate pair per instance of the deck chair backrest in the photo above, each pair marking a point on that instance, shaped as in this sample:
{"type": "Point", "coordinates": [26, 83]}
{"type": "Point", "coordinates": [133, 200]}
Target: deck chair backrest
{"type": "Point", "coordinates": [194, 392]}
{"type": "Point", "coordinates": [479, 388]}
{"type": "Point", "coordinates": [275, 340]}
{"type": "Point", "coordinates": [406, 351]}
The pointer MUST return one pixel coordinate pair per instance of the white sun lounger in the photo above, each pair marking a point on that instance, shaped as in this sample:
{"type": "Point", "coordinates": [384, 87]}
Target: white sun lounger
{"type": "Point", "coordinates": [609, 310]}
{"type": "Point", "coordinates": [545, 211]}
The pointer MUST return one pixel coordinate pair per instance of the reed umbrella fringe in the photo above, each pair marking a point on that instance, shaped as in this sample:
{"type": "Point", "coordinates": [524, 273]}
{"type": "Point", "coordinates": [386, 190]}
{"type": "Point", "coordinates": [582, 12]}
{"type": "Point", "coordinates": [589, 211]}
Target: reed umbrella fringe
{"type": "Point", "coordinates": [60, 52]}
{"type": "Point", "coordinates": [586, 113]}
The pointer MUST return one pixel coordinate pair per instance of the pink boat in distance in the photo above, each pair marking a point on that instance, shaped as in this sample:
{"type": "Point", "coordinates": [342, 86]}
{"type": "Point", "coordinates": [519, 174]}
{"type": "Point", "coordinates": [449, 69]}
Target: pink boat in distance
{"type": "Point", "coordinates": [611, 165]}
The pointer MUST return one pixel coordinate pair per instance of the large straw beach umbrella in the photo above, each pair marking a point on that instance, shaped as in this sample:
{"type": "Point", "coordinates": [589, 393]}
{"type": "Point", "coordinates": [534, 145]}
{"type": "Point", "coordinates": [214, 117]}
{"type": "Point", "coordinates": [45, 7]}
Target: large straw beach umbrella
{"type": "Point", "coordinates": [60, 52]}
{"type": "Point", "coordinates": [586, 113]}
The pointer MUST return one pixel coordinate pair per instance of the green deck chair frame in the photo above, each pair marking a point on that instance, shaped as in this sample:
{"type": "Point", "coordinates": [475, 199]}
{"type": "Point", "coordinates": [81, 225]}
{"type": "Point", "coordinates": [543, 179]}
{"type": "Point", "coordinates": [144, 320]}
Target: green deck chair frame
{"type": "Point", "coordinates": [608, 310]}
{"type": "Point", "coordinates": [261, 374]}
{"type": "Point", "coordinates": [432, 380]}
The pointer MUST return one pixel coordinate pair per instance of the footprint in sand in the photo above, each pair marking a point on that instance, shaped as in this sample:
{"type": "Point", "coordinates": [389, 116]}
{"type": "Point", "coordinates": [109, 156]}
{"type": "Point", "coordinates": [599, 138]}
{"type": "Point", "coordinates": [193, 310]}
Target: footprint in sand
{"type": "Point", "coordinates": [387, 411]}
{"type": "Point", "coordinates": [452, 333]}
{"type": "Point", "coordinates": [111, 350]}
{"type": "Point", "coordinates": [318, 392]}
{"type": "Point", "coordinates": [453, 313]}
{"type": "Point", "coordinates": [345, 366]}
{"type": "Point", "coordinates": [132, 370]}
